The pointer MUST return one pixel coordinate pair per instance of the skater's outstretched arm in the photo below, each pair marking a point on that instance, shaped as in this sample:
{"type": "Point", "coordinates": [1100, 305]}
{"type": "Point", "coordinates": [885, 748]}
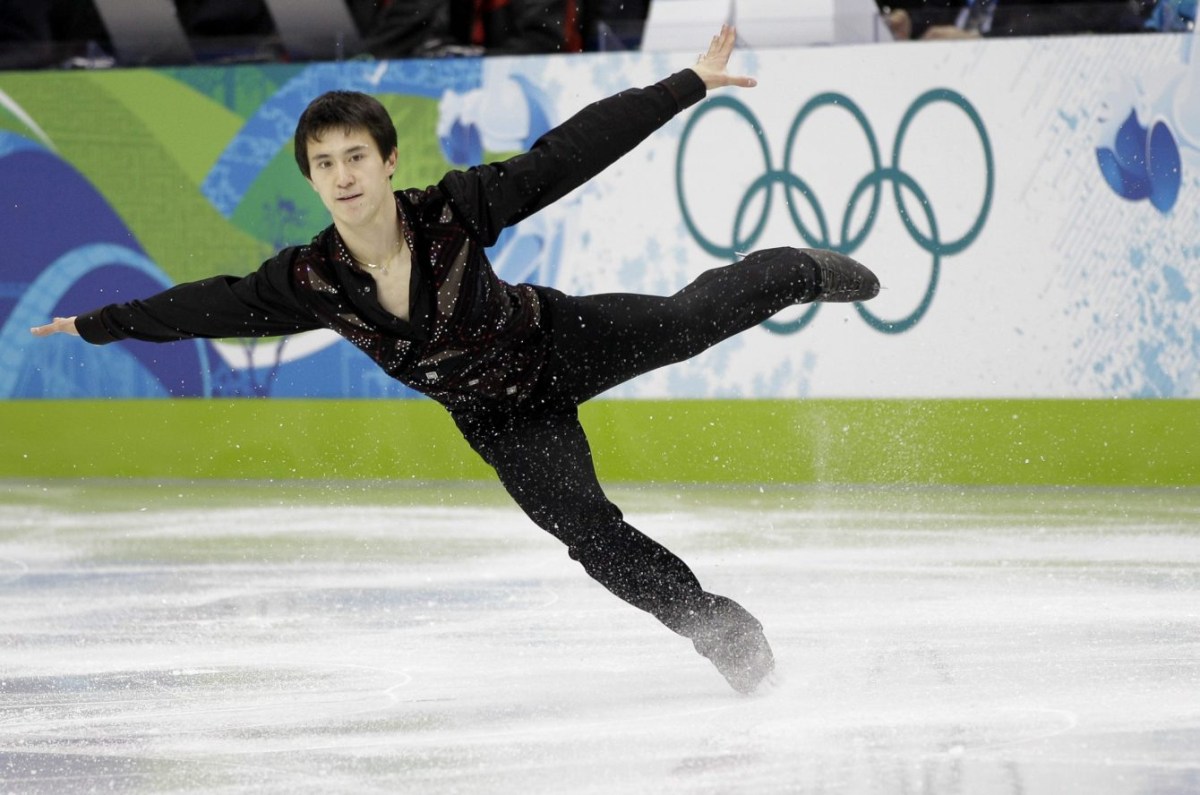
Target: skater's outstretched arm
{"type": "Point", "coordinates": [492, 196]}
{"type": "Point", "coordinates": [261, 304]}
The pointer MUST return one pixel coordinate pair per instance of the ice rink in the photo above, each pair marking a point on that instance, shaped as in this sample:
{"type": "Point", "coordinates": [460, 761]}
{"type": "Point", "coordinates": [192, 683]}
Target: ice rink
{"type": "Point", "coordinates": [384, 638]}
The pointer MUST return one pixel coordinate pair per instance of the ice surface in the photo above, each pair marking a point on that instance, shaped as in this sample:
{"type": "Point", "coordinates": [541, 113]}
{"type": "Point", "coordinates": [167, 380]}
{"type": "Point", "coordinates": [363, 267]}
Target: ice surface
{"type": "Point", "coordinates": [334, 638]}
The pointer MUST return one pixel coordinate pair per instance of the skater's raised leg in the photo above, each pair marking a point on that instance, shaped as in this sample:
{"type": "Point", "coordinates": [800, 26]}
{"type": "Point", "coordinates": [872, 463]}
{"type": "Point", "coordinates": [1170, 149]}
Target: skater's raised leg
{"type": "Point", "coordinates": [604, 340]}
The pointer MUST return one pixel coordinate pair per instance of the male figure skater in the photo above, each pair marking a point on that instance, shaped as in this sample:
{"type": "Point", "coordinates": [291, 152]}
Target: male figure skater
{"type": "Point", "coordinates": [404, 277]}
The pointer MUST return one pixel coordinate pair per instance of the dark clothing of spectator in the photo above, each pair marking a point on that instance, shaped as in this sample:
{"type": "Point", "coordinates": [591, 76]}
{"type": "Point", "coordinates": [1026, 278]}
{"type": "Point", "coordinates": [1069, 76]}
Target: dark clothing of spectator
{"type": "Point", "coordinates": [41, 33]}
{"type": "Point", "coordinates": [229, 31]}
{"type": "Point", "coordinates": [613, 24]}
{"type": "Point", "coordinates": [1058, 17]}
{"type": "Point", "coordinates": [1029, 17]}
{"type": "Point", "coordinates": [403, 28]}
{"type": "Point", "coordinates": [224, 18]}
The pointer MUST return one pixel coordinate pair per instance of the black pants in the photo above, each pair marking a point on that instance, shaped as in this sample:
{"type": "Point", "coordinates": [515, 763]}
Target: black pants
{"type": "Point", "coordinates": [541, 453]}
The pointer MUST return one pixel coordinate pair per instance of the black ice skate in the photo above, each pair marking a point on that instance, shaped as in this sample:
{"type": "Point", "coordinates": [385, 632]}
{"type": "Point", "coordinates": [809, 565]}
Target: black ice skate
{"type": "Point", "coordinates": [734, 641]}
{"type": "Point", "coordinates": [841, 279]}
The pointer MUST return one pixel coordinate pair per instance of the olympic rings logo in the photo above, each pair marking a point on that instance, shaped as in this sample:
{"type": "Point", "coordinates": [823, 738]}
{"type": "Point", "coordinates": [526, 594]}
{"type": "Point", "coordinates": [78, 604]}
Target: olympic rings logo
{"type": "Point", "coordinates": [743, 239]}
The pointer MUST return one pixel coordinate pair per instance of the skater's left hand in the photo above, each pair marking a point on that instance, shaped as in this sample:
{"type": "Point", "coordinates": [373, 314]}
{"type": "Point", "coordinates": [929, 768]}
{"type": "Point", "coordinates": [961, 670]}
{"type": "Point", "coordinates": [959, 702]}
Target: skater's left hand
{"type": "Point", "coordinates": [61, 325]}
{"type": "Point", "coordinates": [711, 65]}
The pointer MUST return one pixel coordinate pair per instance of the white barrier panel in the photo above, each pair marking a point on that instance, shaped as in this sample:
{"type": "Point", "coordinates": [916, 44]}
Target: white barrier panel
{"type": "Point", "coordinates": [1030, 206]}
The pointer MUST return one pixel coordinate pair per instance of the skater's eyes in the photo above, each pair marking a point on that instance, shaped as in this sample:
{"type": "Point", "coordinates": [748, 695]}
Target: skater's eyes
{"type": "Point", "coordinates": [354, 155]}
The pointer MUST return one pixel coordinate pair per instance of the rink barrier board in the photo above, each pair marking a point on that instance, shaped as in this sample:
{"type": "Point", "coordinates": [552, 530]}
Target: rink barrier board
{"type": "Point", "coordinates": [1025, 254]}
{"type": "Point", "coordinates": [1138, 443]}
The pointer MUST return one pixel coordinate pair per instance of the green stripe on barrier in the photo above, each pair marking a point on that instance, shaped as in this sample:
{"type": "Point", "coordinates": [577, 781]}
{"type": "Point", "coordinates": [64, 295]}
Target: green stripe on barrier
{"type": "Point", "coordinates": [1002, 442]}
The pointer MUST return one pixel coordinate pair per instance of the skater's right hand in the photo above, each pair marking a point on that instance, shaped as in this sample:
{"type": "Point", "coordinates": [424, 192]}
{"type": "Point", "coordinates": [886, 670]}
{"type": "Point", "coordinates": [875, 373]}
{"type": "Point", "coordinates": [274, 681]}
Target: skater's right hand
{"type": "Point", "coordinates": [711, 65]}
{"type": "Point", "coordinates": [61, 325]}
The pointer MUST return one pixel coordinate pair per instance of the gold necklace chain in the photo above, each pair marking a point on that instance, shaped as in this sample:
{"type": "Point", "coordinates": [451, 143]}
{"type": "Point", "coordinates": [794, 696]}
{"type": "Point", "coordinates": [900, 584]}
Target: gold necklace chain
{"type": "Point", "coordinates": [374, 266]}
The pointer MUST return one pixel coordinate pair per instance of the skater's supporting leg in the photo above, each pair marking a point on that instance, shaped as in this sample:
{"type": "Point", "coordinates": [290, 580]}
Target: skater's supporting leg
{"type": "Point", "coordinates": [545, 463]}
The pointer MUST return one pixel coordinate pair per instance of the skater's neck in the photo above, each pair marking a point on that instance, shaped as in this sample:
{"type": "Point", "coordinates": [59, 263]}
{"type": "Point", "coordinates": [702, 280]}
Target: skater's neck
{"type": "Point", "coordinates": [376, 242]}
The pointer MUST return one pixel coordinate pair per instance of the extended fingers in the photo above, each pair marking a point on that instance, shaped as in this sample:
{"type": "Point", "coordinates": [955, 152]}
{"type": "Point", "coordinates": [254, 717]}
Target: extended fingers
{"type": "Point", "coordinates": [721, 46]}
{"type": "Point", "coordinates": [711, 65]}
{"type": "Point", "coordinates": [722, 43]}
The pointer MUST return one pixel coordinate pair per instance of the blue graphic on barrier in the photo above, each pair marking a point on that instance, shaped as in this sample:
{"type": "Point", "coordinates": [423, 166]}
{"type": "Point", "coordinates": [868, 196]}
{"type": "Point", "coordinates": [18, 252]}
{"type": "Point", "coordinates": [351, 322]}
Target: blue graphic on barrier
{"type": "Point", "coordinates": [65, 247]}
{"type": "Point", "coordinates": [1143, 163]}
{"type": "Point", "coordinates": [70, 281]}
{"type": "Point", "coordinates": [501, 116]}
{"type": "Point", "coordinates": [1147, 162]}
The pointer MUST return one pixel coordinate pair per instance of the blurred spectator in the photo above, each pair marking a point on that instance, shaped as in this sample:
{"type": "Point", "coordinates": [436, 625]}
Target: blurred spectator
{"type": "Point", "coordinates": [613, 24]}
{"type": "Point", "coordinates": [365, 12]}
{"type": "Point", "coordinates": [1056, 17]}
{"type": "Point", "coordinates": [224, 18]}
{"type": "Point", "coordinates": [952, 19]}
{"type": "Point", "coordinates": [40, 33]}
{"type": "Point", "coordinates": [229, 30]}
{"type": "Point", "coordinates": [921, 19]}
{"type": "Point", "coordinates": [402, 28]}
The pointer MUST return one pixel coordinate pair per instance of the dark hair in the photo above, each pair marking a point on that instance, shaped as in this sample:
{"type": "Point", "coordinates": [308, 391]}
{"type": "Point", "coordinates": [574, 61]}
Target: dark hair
{"type": "Point", "coordinates": [349, 110]}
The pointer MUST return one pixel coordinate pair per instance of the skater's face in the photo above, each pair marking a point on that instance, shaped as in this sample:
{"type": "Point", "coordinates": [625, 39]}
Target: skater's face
{"type": "Point", "coordinates": [352, 177]}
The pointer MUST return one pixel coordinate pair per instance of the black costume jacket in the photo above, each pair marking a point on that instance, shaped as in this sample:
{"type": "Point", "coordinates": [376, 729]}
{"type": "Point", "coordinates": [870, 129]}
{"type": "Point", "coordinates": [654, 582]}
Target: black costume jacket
{"type": "Point", "coordinates": [472, 341]}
